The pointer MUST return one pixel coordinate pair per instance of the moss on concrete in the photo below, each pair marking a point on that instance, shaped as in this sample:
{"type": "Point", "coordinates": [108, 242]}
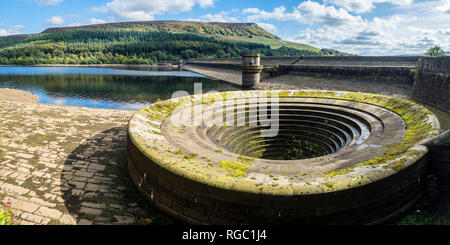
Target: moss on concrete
{"type": "Point", "coordinates": [235, 168]}
{"type": "Point", "coordinates": [420, 125]}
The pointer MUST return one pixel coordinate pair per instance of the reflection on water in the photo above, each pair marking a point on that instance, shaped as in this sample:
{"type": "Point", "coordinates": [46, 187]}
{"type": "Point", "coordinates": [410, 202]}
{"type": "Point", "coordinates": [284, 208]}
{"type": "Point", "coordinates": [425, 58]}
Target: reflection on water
{"type": "Point", "coordinates": [103, 87]}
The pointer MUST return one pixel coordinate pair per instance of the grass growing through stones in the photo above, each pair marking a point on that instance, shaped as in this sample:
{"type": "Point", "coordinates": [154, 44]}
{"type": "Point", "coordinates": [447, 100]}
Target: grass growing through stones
{"type": "Point", "coordinates": [37, 139]}
{"type": "Point", "coordinates": [7, 215]}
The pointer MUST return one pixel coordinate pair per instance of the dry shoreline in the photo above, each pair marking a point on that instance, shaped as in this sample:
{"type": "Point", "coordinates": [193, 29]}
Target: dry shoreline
{"type": "Point", "coordinates": [17, 95]}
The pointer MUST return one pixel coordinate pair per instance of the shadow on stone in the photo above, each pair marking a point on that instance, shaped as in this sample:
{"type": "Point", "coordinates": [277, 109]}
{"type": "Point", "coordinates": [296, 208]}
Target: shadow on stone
{"type": "Point", "coordinates": [96, 186]}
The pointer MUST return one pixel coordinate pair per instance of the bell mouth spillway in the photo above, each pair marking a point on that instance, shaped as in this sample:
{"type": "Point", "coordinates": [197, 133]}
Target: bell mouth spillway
{"type": "Point", "coordinates": [280, 157]}
{"type": "Point", "coordinates": [305, 130]}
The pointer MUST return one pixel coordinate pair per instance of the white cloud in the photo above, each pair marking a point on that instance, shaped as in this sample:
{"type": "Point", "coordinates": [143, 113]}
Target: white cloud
{"type": "Point", "coordinates": [48, 2]}
{"type": "Point", "coordinates": [193, 20]}
{"type": "Point", "coordinates": [358, 6]}
{"type": "Point", "coordinates": [219, 17]}
{"type": "Point", "coordinates": [307, 12]}
{"type": "Point", "coordinates": [146, 10]}
{"type": "Point", "coordinates": [55, 21]}
{"type": "Point", "coordinates": [444, 7]}
{"type": "Point", "coordinates": [251, 11]}
{"type": "Point", "coordinates": [268, 27]}
{"type": "Point", "coordinates": [326, 15]}
{"type": "Point", "coordinates": [206, 3]}
{"type": "Point", "coordinates": [278, 13]}
{"type": "Point", "coordinates": [75, 24]}
{"type": "Point", "coordinates": [354, 5]}
{"type": "Point", "coordinates": [16, 28]}
{"type": "Point", "coordinates": [12, 30]}
{"type": "Point", "coordinates": [96, 21]}
{"type": "Point", "coordinates": [410, 32]}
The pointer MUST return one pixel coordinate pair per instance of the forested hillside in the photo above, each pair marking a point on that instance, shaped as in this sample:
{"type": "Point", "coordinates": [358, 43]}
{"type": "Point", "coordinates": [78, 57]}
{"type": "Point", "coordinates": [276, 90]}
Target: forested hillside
{"type": "Point", "coordinates": [146, 43]}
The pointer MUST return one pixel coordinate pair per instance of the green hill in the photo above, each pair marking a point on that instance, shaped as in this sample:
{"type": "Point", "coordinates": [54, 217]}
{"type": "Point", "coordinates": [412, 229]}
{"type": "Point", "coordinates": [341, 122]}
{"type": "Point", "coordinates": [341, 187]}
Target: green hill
{"type": "Point", "coordinates": [146, 43]}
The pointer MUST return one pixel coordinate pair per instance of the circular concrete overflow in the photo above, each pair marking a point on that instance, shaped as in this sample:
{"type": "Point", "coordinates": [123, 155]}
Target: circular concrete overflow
{"type": "Point", "coordinates": [322, 125]}
{"type": "Point", "coordinates": [281, 157]}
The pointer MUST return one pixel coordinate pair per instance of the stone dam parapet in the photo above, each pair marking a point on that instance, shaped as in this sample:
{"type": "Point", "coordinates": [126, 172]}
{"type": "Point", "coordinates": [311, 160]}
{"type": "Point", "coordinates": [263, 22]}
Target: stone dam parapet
{"type": "Point", "coordinates": [432, 82]}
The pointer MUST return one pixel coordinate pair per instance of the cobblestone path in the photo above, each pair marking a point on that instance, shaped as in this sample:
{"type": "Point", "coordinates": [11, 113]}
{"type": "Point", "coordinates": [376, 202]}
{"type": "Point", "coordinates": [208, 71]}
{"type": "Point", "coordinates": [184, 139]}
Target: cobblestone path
{"type": "Point", "coordinates": [67, 165]}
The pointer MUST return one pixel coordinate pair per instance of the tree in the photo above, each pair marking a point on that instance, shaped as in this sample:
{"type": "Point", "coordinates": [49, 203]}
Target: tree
{"type": "Point", "coordinates": [435, 51]}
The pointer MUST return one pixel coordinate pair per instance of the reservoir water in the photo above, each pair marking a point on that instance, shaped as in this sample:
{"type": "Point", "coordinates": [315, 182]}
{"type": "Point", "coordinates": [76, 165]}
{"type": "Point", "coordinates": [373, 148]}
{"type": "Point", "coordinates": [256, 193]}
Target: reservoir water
{"type": "Point", "coordinates": [108, 88]}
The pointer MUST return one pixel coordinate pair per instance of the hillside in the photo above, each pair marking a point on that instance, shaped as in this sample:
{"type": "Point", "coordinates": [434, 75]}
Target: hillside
{"type": "Point", "coordinates": [146, 43]}
{"type": "Point", "coordinates": [244, 32]}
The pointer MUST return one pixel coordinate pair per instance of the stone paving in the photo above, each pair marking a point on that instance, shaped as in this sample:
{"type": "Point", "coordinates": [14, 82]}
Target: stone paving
{"type": "Point", "coordinates": [68, 165]}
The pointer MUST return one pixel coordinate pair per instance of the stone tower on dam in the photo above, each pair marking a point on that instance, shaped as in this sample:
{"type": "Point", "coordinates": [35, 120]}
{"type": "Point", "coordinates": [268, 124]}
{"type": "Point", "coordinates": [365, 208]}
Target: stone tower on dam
{"type": "Point", "coordinates": [251, 70]}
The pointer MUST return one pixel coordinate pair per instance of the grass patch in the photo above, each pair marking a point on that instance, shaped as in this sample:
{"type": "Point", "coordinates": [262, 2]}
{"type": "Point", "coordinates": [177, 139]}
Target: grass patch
{"type": "Point", "coordinates": [303, 78]}
{"type": "Point", "coordinates": [416, 219]}
{"type": "Point", "coordinates": [7, 215]}
{"type": "Point", "coordinates": [236, 169]}
{"type": "Point", "coordinates": [38, 139]}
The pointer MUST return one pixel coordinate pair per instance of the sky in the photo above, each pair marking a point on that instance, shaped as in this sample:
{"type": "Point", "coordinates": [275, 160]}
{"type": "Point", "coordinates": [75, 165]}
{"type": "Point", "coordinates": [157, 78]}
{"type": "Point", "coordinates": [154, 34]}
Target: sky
{"type": "Point", "coordinates": [369, 27]}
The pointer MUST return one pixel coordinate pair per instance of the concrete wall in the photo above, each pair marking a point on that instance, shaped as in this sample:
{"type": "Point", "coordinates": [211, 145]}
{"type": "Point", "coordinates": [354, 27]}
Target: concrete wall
{"type": "Point", "coordinates": [432, 82]}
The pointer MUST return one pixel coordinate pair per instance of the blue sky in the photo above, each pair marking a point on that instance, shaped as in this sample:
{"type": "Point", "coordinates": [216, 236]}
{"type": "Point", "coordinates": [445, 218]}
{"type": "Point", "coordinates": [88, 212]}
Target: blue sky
{"type": "Point", "coordinates": [370, 27]}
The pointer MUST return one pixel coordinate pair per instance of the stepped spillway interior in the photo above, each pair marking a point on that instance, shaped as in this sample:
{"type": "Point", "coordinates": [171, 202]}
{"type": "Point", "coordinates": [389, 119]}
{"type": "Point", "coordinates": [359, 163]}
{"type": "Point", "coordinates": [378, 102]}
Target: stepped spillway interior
{"type": "Point", "coordinates": [319, 128]}
{"type": "Point", "coordinates": [221, 158]}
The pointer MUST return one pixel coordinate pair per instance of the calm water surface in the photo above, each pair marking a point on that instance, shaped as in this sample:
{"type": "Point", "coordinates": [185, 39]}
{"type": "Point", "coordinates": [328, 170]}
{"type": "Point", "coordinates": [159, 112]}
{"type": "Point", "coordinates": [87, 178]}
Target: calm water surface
{"type": "Point", "coordinates": [108, 88]}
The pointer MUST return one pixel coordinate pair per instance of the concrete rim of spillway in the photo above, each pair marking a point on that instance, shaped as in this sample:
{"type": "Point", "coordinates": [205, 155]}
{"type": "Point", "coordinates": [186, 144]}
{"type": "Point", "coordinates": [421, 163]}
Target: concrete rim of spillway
{"type": "Point", "coordinates": [212, 157]}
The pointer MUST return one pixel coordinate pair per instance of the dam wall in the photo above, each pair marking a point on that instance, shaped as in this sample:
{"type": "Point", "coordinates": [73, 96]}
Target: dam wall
{"type": "Point", "coordinates": [216, 64]}
{"type": "Point", "coordinates": [377, 72]}
{"type": "Point", "coordinates": [407, 61]}
{"type": "Point", "coordinates": [378, 67]}
{"type": "Point", "coordinates": [432, 82]}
